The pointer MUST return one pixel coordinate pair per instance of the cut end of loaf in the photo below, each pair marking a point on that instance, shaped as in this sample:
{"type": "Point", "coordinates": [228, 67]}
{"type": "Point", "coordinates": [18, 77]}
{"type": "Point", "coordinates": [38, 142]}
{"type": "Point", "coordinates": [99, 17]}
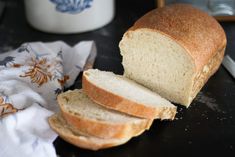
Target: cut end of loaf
{"type": "Point", "coordinates": [166, 67]}
{"type": "Point", "coordinates": [121, 94]}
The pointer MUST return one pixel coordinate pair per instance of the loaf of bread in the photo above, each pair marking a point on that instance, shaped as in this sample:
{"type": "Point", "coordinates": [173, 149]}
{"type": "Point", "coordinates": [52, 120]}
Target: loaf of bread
{"type": "Point", "coordinates": [173, 51]}
{"type": "Point", "coordinates": [122, 94]}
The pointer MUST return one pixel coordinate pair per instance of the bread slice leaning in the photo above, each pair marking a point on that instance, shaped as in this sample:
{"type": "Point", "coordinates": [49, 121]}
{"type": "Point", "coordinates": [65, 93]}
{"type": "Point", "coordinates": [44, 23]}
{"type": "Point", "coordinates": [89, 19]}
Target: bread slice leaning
{"type": "Point", "coordinates": [87, 142]}
{"type": "Point", "coordinates": [119, 93]}
{"type": "Point", "coordinates": [92, 119]}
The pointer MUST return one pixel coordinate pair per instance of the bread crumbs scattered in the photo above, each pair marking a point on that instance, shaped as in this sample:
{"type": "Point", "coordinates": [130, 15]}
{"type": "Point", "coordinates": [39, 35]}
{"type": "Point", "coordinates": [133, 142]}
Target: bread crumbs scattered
{"type": "Point", "coordinates": [209, 102]}
{"type": "Point", "coordinates": [231, 146]}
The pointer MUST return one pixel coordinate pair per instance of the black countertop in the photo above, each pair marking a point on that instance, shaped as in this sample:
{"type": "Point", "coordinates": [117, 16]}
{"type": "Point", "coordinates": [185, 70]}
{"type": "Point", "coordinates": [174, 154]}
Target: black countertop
{"type": "Point", "coordinates": [207, 127]}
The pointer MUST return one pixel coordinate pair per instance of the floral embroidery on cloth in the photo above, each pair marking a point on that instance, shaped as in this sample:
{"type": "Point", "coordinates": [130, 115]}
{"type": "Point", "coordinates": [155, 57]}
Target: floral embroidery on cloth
{"type": "Point", "coordinates": [31, 77]}
{"type": "Point", "coordinates": [6, 108]}
{"type": "Point", "coordinates": [38, 72]}
{"type": "Point", "coordinates": [42, 65]}
{"type": "Point", "coordinates": [41, 69]}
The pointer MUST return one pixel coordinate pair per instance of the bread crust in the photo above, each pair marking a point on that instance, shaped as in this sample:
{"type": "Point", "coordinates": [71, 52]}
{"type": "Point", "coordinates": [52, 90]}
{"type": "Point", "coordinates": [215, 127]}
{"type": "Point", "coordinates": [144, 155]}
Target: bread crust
{"type": "Point", "coordinates": [207, 71]}
{"type": "Point", "coordinates": [85, 142]}
{"type": "Point", "coordinates": [200, 34]}
{"type": "Point", "coordinates": [102, 129]}
{"type": "Point", "coordinates": [118, 103]}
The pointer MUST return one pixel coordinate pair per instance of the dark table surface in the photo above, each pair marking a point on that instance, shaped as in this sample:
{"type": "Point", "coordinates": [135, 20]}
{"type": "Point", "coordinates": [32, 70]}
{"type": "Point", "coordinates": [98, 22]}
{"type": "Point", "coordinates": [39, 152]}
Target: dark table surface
{"type": "Point", "coordinates": [207, 127]}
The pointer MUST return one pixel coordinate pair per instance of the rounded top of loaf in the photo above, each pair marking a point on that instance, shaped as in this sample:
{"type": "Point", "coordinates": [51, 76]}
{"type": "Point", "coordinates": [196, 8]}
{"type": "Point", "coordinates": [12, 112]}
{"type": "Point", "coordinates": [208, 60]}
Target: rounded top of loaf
{"type": "Point", "coordinates": [200, 34]}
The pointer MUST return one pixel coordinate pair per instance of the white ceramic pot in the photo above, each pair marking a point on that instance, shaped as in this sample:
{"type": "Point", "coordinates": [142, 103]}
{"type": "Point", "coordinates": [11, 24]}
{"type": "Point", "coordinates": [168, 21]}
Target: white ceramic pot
{"type": "Point", "coordinates": [69, 16]}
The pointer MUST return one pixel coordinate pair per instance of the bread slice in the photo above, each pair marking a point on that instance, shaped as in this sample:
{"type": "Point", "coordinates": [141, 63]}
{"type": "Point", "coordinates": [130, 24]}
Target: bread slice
{"type": "Point", "coordinates": [79, 140]}
{"type": "Point", "coordinates": [121, 94]}
{"type": "Point", "coordinates": [92, 119]}
{"type": "Point", "coordinates": [173, 51]}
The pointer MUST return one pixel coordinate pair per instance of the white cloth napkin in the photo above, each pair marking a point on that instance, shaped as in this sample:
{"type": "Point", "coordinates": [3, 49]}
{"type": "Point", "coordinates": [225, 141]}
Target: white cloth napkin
{"type": "Point", "coordinates": [30, 79]}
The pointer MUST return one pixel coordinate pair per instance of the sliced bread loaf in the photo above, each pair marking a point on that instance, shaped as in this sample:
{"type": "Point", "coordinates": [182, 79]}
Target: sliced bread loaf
{"type": "Point", "coordinates": [173, 51]}
{"type": "Point", "coordinates": [121, 94]}
{"type": "Point", "coordinates": [92, 119]}
{"type": "Point", "coordinates": [88, 142]}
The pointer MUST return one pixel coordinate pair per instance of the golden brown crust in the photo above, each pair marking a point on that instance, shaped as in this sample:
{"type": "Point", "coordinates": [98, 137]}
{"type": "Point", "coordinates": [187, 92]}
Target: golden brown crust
{"type": "Point", "coordinates": [103, 129]}
{"type": "Point", "coordinates": [86, 144]}
{"type": "Point", "coordinates": [200, 34]}
{"type": "Point", "coordinates": [207, 71]}
{"type": "Point", "coordinates": [83, 141]}
{"type": "Point", "coordinates": [118, 103]}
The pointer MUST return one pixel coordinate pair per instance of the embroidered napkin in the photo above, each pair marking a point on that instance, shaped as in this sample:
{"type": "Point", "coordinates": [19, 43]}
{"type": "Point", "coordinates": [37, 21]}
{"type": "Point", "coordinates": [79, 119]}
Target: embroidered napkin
{"type": "Point", "coordinates": [30, 79]}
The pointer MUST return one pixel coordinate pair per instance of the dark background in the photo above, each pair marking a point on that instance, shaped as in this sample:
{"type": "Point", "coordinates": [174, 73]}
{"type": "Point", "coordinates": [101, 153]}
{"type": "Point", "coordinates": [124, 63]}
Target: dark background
{"type": "Point", "coordinates": [206, 128]}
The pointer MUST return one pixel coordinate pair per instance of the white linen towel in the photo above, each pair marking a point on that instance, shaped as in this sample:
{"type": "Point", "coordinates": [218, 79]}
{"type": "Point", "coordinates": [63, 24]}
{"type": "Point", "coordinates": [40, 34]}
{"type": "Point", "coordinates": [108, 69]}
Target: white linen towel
{"type": "Point", "coordinates": [30, 79]}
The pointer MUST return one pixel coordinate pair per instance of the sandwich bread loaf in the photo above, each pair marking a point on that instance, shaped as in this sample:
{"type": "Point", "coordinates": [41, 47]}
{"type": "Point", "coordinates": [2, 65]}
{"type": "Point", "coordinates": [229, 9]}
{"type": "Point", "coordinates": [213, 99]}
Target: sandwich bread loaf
{"type": "Point", "coordinates": [173, 51]}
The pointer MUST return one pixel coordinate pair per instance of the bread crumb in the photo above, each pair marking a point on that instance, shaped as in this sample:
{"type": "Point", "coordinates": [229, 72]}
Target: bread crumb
{"type": "Point", "coordinates": [209, 102]}
{"type": "Point", "coordinates": [231, 146]}
{"type": "Point", "coordinates": [186, 128]}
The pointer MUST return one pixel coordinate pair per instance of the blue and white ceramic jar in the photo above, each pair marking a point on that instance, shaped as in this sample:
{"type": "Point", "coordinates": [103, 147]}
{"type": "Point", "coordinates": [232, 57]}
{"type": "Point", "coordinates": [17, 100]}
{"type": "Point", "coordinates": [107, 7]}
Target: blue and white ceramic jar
{"type": "Point", "coordinates": [69, 16]}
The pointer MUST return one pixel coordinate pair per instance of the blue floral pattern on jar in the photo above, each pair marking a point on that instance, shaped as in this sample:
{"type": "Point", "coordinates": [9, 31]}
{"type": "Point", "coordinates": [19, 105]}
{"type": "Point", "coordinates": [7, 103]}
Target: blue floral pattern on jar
{"type": "Point", "coordinates": [72, 6]}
